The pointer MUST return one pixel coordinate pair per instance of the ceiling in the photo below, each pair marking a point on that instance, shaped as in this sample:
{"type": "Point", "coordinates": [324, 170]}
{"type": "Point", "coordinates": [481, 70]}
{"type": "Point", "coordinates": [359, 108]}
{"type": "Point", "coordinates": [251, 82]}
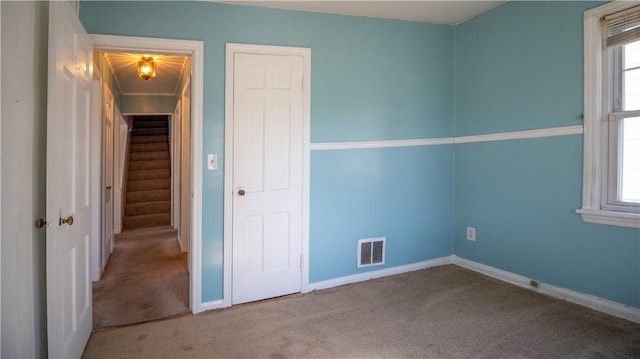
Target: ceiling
{"type": "Point", "coordinates": [169, 68]}
{"type": "Point", "coordinates": [449, 12]}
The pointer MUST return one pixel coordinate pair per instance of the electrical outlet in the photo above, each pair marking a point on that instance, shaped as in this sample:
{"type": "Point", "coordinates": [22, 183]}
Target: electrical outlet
{"type": "Point", "coordinates": [471, 233]}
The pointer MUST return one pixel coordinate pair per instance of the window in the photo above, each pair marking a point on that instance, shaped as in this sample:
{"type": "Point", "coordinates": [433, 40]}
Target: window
{"type": "Point", "coordinates": [611, 185]}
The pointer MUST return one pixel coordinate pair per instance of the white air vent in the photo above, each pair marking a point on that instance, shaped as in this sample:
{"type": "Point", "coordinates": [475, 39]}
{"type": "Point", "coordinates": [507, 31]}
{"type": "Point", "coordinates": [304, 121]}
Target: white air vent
{"type": "Point", "coordinates": [371, 252]}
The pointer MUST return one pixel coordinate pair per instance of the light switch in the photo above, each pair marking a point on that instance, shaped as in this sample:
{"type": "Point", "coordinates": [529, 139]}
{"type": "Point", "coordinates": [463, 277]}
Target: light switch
{"type": "Point", "coordinates": [212, 161]}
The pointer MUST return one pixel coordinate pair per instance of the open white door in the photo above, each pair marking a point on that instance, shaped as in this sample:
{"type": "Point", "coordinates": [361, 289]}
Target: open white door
{"type": "Point", "coordinates": [69, 314]}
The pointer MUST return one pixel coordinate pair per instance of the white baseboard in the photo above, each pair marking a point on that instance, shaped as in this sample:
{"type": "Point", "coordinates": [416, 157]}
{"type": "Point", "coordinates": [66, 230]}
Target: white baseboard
{"type": "Point", "coordinates": [214, 304]}
{"type": "Point", "coordinates": [603, 305]}
{"type": "Point", "coordinates": [360, 277]}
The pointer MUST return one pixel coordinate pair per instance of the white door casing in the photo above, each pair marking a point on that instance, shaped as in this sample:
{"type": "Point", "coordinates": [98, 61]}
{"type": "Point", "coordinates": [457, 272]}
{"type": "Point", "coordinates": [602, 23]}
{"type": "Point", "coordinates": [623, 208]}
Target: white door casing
{"type": "Point", "coordinates": [97, 187]}
{"type": "Point", "coordinates": [266, 171]}
{"type": "Point", "coordinates": [69, 314]}
{"type": "Point", "coordinates": [109, 130]}
{"type": "Point", "coordinates": [185, 188]}
{"type": "Point", "coordinates": [176, 149]}
{"type": "Point", "coordinates": [195, 49]}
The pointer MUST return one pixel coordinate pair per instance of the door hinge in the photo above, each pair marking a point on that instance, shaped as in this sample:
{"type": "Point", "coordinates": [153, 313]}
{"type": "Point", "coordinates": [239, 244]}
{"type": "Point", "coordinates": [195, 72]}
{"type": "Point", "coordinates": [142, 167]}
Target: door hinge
{"type": "Point", "coordinates": [301, 261]}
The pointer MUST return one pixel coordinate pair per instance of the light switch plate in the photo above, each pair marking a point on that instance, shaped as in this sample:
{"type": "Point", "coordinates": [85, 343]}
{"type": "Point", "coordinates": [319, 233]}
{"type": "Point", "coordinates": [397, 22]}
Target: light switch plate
{"type": "Point", "coordinates": [212, 161]}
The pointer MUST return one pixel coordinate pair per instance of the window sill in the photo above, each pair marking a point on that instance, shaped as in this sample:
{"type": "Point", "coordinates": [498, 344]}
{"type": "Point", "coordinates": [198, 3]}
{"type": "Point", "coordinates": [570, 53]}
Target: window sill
{"type": "Point", "coordinates": [631, 220]}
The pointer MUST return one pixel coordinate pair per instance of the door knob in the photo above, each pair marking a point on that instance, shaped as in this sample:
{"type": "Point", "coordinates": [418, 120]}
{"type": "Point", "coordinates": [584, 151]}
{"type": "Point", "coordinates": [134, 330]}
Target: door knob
{"type": "Point", "coordinates": [241, 193]}
{"type": "Point", "coordinates": [68, 220]}
{"type": "Point", "coordinates": [40, 223]}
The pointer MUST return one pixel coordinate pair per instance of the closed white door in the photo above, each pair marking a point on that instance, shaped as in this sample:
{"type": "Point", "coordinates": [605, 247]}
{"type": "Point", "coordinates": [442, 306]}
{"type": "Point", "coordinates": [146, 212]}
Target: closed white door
{"type": "Point", "coordinates": [267, 176]}
{"type": "Point", "coordinates": [69, 315]}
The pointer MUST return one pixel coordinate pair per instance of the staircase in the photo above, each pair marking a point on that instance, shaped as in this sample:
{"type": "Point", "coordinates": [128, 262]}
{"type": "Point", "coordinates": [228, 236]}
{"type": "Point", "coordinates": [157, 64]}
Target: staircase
{"type": "Point", "coordinates": [148, 199]}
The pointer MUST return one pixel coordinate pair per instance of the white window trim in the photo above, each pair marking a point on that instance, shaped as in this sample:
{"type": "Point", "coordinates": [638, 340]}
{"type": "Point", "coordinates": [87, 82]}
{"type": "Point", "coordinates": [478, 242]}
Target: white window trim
{"type": "Point", "coordinates": [595, 150]}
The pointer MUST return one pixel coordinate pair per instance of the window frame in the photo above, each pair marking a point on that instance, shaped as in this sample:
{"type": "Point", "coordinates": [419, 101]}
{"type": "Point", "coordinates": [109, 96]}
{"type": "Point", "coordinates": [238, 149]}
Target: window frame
{"type": "Point", "coordinates": [599, 159]}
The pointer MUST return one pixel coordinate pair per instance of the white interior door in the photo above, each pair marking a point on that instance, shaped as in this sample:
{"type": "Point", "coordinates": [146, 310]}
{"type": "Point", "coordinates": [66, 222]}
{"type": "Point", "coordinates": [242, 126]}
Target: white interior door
{"type": "Point", "coordinates": [69, 296]}
{"type": "Point", "coordinates": [267, 176]}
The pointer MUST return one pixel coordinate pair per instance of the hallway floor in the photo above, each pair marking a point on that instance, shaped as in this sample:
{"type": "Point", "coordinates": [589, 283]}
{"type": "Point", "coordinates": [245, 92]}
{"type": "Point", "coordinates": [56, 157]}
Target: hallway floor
{"type": "Point", "coordinates": [146, 279]}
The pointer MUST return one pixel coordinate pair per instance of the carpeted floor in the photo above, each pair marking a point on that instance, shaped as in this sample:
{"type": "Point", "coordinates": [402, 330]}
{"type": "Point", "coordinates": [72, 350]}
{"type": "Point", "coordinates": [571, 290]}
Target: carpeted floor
{"type": "Point", "coordinates": [442, 312]}
{"type": "Point", "coordinates": [146, 279]}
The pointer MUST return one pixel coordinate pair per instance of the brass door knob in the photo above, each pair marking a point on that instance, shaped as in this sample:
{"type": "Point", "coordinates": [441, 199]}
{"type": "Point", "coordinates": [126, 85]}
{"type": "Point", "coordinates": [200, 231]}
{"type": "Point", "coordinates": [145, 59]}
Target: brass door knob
{"type": "Point", "coordinates": [68, 220]}
{"type": "Point", "coordinates": [241, 193]}
{"type": "Point", "coordinates": [40, 223]}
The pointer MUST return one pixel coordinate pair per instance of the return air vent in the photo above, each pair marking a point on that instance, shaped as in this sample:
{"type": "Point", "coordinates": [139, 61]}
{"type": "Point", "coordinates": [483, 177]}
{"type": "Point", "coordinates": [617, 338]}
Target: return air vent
{"type": "Point", "coordinates": [371, 252]}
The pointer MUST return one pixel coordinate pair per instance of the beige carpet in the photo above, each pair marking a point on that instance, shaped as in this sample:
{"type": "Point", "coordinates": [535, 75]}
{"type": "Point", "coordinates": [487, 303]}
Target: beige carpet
{"type": "Point", "coordinates": [443, 312]}
{"type": "Point", "coordinates": [146, 279]}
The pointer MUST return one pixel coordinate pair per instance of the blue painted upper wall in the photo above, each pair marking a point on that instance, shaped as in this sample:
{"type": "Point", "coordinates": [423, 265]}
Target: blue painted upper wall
{"type": "Point", "coordinates": [519, 67]}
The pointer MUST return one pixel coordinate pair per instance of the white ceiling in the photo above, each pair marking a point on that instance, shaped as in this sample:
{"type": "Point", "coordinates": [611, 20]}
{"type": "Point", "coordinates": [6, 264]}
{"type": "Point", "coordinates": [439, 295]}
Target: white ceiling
{"type": "Point", "coordinates": [170, 67]}
{"type": "Point", "coordinates": [450, 12]}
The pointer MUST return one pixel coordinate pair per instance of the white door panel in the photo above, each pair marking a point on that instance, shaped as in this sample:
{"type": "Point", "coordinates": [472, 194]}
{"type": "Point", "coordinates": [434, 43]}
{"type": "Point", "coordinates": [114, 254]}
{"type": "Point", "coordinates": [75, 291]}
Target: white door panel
{"type": "Point", "coordinates": [69, 297]}
{"type": "Point", "coordinates": [268, 167]}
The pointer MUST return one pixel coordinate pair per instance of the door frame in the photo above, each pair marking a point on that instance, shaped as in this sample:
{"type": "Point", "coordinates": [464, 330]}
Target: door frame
{"type": "Point", "coordinates": [108, 103]}
{"type": "Point", "coordinates": [195, 49]}
{"type": "Point", "coordinates": [231, 50]}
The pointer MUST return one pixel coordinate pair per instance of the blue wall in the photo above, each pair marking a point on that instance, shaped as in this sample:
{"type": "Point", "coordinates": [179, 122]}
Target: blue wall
{"type": "Point", "coordinates": [516, 67]}
{"type": "Point", "coordinates": [519, 67]}
{"type": "Point", "coordinates": [372, 79]}
{"type": "Point", "coordinates": [404, 194]}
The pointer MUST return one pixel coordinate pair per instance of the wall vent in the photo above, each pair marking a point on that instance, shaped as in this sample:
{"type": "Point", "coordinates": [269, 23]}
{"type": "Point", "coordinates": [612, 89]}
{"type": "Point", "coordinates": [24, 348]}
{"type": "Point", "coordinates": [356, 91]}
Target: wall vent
{"type": "Point", "coordinates": [371, 252]}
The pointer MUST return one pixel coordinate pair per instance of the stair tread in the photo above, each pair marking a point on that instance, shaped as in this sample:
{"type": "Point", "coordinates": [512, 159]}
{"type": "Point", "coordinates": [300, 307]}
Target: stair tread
{"type": "Point", "coordinates": [149, 155]}
{"type": "Point", "coordinates": [148, 184]}
{"type": "Point", "coordinates": [149, 196]}
{"type": "Point", "coordinates": [149, 131]}
{"type": "Point", "coordinates": [149, 174]}
{"type": "Point", "coordinates": [150, 124]}
{"type": "Point", "coordinates": [149, 139]}
{"type": "Point", "coordinates": [147, 220]}
{"type": "Point", "coordinates": [133, 209]}
{"type": "Point", "coordinates": [149, 147]}
{"type": "Point", "coordinates": [149, 165]}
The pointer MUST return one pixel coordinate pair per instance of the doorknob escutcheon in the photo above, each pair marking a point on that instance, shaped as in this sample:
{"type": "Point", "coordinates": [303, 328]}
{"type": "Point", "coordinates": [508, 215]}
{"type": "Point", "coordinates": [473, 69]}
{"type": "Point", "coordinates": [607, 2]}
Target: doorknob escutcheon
{"type": "Point", "coordinates": [68, 220]}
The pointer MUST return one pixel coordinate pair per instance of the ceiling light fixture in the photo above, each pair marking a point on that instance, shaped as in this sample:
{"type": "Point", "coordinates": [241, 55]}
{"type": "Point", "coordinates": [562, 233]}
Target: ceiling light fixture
{"type": "Point", "coordinates": [146, 68]}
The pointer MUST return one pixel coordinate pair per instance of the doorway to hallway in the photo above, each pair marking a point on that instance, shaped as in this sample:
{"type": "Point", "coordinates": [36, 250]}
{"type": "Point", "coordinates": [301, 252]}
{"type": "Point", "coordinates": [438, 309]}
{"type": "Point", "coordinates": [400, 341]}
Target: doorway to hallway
{"type": "Point", "coordinates": [146, 277]}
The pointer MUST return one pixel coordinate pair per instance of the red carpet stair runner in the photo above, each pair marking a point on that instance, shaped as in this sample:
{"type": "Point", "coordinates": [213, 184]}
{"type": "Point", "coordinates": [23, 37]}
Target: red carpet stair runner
{"type": "Point", "coordinates": [148, 199]}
